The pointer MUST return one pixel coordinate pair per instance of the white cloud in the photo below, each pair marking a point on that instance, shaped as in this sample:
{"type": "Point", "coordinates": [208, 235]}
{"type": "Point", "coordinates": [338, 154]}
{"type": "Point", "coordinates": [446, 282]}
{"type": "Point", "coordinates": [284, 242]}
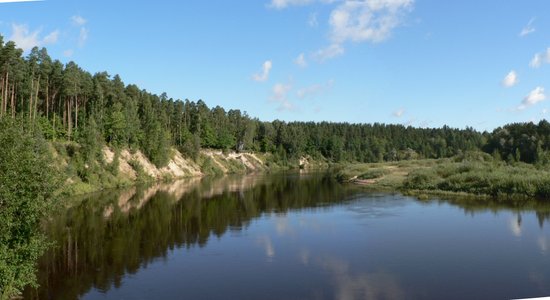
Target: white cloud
{"type": "Point", "coordinates": [279, 95]}
{"type": "Point", "coordinates": [281, 4]}
{"type": "Point", "coordinates": [26, 40]}
{"type": "Point", "coordinates": [301, 61]}
{"type": "Point", "coordinates": [368, 20]}
{"type": "Point", "coordinates": [315, 90]}
{"type": "Point", "coordinates": [354, 21]}
{"type": "Point", "coordinates": [528, 29]}
{"type": "Point", "coordinates": [398, 113]}
{"type": "Point", "coordinates": [536, 61]}
{"type": "Point", "coordinates": [264, 75]}
{"type": "Point", "coordinates": [535, 96]}
{"type": "Point", "coordinates": [312, 21]}
{"type": "Point", "coordinates": [540, 58]}
{"type": "Point", "coordinates": [329, 52]}
{"type": "Point", "coordinates": [79, 20]}
{"type": "Point", "coordinates": [510, 80]}
{"type": "Point", "coordinates": [82, 37]}
{"type": "Point", "coordinates": [362, 21]}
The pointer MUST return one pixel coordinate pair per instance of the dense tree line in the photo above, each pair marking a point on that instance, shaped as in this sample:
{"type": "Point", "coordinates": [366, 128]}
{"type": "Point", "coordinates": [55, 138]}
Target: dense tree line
{"type": "Point", "coordinates": [70, 104]}
{"type": "Point", "coordinates": [526, 142]}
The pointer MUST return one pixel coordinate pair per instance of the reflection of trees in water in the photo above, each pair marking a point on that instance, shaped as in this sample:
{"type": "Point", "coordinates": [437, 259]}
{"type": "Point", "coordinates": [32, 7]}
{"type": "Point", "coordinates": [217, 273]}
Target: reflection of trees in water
{"type": "Point", "coordinates": [111, 234]}
{"type": "Point", "coordinates": [472, 206]}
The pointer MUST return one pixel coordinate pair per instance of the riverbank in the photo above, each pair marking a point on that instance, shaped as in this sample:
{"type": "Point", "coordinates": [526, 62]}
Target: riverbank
{"type": "Point", "coordinates": [118, 168]}
{"type": "Point", "coordinates": [472, 174]}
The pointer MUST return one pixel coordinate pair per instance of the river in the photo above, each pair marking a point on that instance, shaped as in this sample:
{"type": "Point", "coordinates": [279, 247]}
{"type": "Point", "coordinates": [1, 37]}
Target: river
{"type": "Point", "coordinates": [292, 236]}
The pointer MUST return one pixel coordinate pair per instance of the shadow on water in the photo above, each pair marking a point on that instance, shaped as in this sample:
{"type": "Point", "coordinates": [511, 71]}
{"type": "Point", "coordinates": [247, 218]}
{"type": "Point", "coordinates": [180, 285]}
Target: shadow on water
{"type": "Point", "coordinates": [111, 234]}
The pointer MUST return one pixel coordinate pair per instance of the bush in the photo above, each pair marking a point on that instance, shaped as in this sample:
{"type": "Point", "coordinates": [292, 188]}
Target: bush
{"type": "Point", "coordinates": [373, 174]}
{"type": "Point", "coordinates": [422, 179]}
{"type": "Point", "coordinates": [28, 182]}
{"type": "Point", "coordinates": [141, 175]}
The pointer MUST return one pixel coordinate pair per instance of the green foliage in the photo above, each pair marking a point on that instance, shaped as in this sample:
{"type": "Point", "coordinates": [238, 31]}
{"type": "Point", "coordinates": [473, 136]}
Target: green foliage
{"type": "Point", "coordinates": [115, 126]}
{"type": "Point", "coordinates": [91, 141]}
{"type": "Point", "coordinates": [27, 184]}
{"type": "Point", "coordinates": [114, 165]}
{"type": "Point", "coordinates": [478, 174]}
{"type": "Point", "coordinates": [191, 147]}
{"type": "Point", "coordinates": [373, 174]}
{"type": "Point", "coordinates": [208, 166]}
{"type": "Point", "coordinates": [141, 175]}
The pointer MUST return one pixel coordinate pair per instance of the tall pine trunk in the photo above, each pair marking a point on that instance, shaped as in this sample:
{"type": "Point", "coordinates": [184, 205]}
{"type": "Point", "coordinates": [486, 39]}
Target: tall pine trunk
{"type": "Point", "coordinates": [36, 98]}
{"type": "Point", "coordinates": [13, 101]}
{"type": "Point", "coordinates": [30, 97]}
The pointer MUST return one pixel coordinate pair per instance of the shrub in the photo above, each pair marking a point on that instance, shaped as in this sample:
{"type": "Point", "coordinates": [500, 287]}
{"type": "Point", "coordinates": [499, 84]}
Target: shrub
{"type": "Point", "coordinates": [373, 174]}
{"type": "Point", "coordinates": [28, 182]}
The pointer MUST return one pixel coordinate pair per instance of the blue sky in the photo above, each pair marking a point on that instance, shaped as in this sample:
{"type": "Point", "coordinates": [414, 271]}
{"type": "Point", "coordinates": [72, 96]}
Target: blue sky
{"type": "Point", "coordinates": [420, 62]}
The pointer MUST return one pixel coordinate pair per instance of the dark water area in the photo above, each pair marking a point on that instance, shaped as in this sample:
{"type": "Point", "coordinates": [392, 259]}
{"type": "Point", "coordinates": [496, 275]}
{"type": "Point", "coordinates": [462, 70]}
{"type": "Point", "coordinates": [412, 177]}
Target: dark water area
{"type": "Point", "coordinates": [292, 236]}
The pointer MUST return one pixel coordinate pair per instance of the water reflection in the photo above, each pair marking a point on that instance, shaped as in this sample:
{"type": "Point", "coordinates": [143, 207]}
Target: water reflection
{"type": "Point", "coordinates": [473, 206]}
{"type": "Point", "coordinates": [303, 225]}
{"type": "Point", "coordinates": [265, 242]}
{"type": "Point", "coordinates": [112, 234]}
{"type": "Point", "coordinates": [514, 223]}
{"type": "Point", "coordinates": [349, 286]}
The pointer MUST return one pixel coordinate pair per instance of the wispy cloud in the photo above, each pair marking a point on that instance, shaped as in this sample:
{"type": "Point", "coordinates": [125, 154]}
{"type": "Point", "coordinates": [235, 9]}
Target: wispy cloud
{"type": "Point", "coordinates": [398, 113]}
{"type": "Point", "coordinates": [535, 96]}
{"type": "Point", "coordinates": [329, 52]}
{"type": "Point", "coordinates": [264, 74]}
{"type": "Point", "coordinates": [315, 90]}
{"type": "Point", "coordinates": [312, 21]}
{"type": "Point", "coordinates": [26, 39]}
{"type": "Point", "coordinates": [540, 58]}
{"type": "Point", "coordinates": [82, 37]}
{"type": "Point", "coordinates": [528, 29]}
{"type": "Point", "coordinates": [78, 20]}
{"type": "Point", "coordinates": [279, 95]}
{"type": "Point", "coordinates": [510, 80]}
{"type": "Point", "coordinates": [281, 4]}
{"type": "Point", "coordinates": [301, 61]}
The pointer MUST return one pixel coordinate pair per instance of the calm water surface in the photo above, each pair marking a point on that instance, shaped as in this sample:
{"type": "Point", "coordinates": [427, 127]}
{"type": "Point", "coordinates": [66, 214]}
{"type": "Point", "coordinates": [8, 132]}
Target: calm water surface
{"type": "Point", "coordinates": [293, 237]}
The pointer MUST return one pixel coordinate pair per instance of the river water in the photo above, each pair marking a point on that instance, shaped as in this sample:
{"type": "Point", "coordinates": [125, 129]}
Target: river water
{"type": "Point", "coordinates": [292, 236]}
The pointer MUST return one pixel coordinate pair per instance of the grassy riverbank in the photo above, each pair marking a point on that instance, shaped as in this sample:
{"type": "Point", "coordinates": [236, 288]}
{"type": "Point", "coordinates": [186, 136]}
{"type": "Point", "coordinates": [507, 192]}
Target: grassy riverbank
{"type": "Point", "coordinates": [474, 173]}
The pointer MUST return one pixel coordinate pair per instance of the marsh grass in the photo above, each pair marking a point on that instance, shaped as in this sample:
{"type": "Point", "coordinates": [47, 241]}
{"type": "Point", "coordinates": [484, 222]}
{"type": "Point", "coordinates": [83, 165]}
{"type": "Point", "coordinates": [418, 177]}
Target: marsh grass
{"type": "Point", "coordinates": [472, 173]}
